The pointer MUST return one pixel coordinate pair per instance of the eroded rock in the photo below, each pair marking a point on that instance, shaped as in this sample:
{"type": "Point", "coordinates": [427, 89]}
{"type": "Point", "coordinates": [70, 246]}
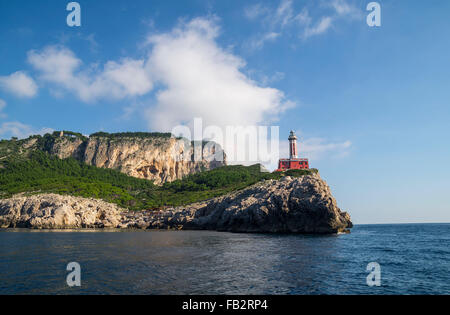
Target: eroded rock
{"type": "Point", "coordinates": [51, 211]}
{"type": "Point", "coordinates": [155, 158]}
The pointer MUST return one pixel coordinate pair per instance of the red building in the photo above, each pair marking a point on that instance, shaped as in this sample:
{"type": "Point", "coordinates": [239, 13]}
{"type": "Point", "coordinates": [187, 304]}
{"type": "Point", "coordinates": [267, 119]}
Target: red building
{"type": "Point", "coordinates": [294, 162]}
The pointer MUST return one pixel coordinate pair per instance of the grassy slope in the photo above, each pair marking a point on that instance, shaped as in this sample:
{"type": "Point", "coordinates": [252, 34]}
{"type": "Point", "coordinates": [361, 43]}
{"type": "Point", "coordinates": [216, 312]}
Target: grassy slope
{"type": "Point", "coordinates": [38, 172]}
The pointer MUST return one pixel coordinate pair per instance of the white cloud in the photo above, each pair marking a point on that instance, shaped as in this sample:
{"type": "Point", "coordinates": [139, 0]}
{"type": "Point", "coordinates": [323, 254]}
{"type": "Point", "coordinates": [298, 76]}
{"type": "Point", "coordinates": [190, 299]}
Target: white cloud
{"type": "Point", "coordinates": [201, 79]}
{"type": "Point", "coordinates": [195, 77]}
{"type": "Point", "coordinates": [20, 130]}
{"type": "Point", "coordinates": [321, 27]}
{"type": "Point", "coordinates": [284, 13]}
{"type": "Point", "coordinates": [264, 79]}
{"type": "Point", "coordinates": [255, 11]}
{"type": "Point", "coordinates": [341, 6]}
{"type": "Point", "coordinates": [284, 18]}
{"type": "Point", "coordinates": [259, 41]}
{"type": "Point", "coordinates": [342, 9]}
{"type": "Point", "coordinates": [129, 75]}
{"type": "Point", "coordinates": [319, 148]}
{"type": "Point", "coordinates": [2, 107]}
{"type": "Point", "coordinates": [19, 84]}
{"type": "Point", "coordinates": [117, 80]}
{"type": "Point", "coordinates": [56, 64]}
{"type": "Point", "coordinates": [345, 9]}
{"type": "Point", "coordinates": [303, 17]}
{"type": "Point", "coordinates": [92, 42]}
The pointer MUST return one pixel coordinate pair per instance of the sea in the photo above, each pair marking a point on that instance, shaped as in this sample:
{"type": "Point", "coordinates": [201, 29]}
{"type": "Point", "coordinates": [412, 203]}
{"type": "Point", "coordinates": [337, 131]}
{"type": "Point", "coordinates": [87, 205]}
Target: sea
{"type": "Point", "coordinates": [373, 259]}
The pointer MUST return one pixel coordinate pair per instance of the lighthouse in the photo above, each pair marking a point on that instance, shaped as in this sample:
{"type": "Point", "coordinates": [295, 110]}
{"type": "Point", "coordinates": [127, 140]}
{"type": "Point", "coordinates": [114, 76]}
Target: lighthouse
{"type": "Point", "coordinates": [293, 152]}
{"type": "Point", "coordinates": [294, 162]}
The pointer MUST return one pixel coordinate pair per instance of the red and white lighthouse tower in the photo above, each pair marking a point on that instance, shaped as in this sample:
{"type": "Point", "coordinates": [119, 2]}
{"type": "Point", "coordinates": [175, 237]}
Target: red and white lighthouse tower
{"type": "Point", "coordinates": [294, 162]}
{"type": "Point", "coordinates": [293, 152]}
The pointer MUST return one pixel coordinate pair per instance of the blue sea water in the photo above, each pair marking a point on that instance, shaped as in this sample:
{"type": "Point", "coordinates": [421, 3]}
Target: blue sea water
{"type": "Point", "coordinates": [414, 259]}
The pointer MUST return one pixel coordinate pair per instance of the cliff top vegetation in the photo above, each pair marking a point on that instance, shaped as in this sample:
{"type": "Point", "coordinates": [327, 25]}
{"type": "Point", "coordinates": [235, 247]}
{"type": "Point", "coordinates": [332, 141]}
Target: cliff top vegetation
{"type": "Point", "coordinates": [40, 172]}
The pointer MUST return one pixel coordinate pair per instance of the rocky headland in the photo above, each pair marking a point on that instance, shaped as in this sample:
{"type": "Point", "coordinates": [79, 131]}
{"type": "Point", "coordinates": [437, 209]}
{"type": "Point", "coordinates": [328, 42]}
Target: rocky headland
{"type": "Point", "coordinates": [290, 205]}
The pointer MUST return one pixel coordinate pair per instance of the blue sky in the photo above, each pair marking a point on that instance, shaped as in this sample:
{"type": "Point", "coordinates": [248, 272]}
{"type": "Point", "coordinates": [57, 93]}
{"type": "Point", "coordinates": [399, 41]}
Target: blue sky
{"type": "Point", "coordinates": [371, 105]}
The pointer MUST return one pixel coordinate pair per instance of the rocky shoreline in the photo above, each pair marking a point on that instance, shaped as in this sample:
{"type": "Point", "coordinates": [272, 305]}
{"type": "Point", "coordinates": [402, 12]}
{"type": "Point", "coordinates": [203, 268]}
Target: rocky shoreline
{"type": "Point", "coordinates": [291, 205]}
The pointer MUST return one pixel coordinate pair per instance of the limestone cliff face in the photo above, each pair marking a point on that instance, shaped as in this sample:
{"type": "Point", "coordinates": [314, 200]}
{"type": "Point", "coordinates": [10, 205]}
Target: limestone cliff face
{"type": "Point", "coordinates": [52, 211]}
{"type": "Point", "coordinates": [65, 147]}
{"type": "Point", "coordinates": [160, 159]}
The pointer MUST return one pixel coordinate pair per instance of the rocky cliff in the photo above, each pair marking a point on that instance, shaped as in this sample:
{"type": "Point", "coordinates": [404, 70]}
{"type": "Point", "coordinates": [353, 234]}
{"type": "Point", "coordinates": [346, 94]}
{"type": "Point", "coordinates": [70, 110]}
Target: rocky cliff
{"type": "Point", "coordinates": [289, 205]}
{"type": "Point", "coordinates": [52, 211]}
{"type": "Point", "coordinates": [157, 158]}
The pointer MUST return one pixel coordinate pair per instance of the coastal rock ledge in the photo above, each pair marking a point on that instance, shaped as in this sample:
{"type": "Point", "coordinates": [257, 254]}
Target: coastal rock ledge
{"type": "Point", "coordinates": [290, 205]}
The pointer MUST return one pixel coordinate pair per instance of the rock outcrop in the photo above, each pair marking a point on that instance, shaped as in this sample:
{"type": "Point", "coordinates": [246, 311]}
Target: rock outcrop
{"type": "Point", "coordinates": [159, 159]}
{"type": "Point", "coordinates": [290, 205]}
{"type": "Point", "coordinates": [52, 211]}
